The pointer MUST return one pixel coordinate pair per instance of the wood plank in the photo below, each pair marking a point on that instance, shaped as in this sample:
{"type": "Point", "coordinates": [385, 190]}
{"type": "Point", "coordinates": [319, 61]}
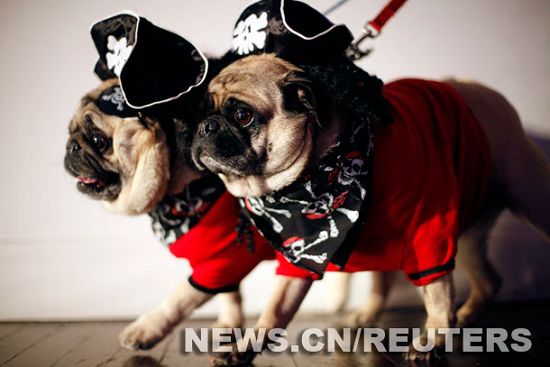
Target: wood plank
{"type": "Point", "coordinates": [6, 329]}
{"type": "Point", "coordinates": [173, 356]}
{"type": "Point", "coordinates": [52, 349]}
{"type": "Point", "coordinates": [24, 339]}
{"type": "Point", "coordinates": [97, 344]}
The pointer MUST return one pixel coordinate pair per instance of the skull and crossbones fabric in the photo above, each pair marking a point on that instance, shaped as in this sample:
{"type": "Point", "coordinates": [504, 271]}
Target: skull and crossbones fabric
{"type": "Point", "coordinates": [176, 214]}
{"type": "Point", "coordinates": [309, 220]}
{"type": "Point", "coordinates": [112, 102]}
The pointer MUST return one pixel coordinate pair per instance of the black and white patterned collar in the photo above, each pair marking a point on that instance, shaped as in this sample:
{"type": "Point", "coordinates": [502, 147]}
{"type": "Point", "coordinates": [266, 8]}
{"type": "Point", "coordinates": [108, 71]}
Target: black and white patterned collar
{"type": "Point", "coordinates": [177, 214]}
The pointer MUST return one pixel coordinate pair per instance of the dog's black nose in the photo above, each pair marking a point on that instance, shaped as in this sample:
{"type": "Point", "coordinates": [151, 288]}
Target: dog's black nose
{"type": "Point", "coordinates": [73, 146]}
{"type": "Point", "coordinates": [209, 126]}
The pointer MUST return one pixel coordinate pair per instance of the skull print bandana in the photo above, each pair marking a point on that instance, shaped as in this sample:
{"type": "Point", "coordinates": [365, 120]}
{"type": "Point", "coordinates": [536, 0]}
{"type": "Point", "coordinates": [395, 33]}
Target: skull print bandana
{"type": "Point", "coordinates": [310, 220]}
{"type": "Point", "coordinates": [176, 214]}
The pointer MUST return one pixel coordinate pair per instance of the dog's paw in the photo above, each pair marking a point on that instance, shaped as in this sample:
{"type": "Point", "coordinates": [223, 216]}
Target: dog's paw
{"type": "Point", "coordinates": [233, 359]}
{"type": "Point", "coordinates": [145, 332]}
{"type": "Point", "coordinates": [241, 354]}
{"type": "Point", "coordinates": [432, 358]}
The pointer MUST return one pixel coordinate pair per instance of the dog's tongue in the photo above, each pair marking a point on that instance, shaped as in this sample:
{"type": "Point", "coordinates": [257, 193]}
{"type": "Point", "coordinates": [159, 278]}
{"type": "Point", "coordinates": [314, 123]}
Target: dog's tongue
{"type": "Point", "coordinates": [87, 180]}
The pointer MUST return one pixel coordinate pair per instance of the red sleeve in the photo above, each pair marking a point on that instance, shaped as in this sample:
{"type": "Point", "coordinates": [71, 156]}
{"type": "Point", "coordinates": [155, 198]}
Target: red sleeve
{"type": "Point", "coordinates": [432, 251]}
{"type": "Point", "coordinates": [218, 260]}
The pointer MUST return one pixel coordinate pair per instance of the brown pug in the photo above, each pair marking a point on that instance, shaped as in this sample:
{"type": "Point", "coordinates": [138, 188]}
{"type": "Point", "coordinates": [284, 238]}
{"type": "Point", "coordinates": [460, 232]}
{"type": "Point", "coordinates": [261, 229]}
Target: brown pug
{"type": "Point", "coordinates": [277, 142]}
{"type": "Point", "coordinates": [265, 131]}
{"type": "Point", "coordinates": [130, 164]}
{"type": "Point", "coordinates": [124, 162]}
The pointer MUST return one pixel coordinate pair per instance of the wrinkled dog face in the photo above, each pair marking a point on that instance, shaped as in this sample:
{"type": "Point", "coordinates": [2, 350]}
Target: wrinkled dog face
{"type": "Point", "coordinates": [258, 138]}
{"type": "Point", "coordinates": [123, 162]}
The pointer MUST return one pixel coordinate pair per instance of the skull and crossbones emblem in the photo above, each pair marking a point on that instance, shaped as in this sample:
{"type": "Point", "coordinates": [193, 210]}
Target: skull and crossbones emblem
{"type": "Point", "coordinates": [256, 206]}
{"type": "Point", "coordinates": [350, 168]}
{"type": "Point", "coordinates": [178, 214]}
{"type": "Point", "coordinates": [323, 206]}
{"type": "Point", "coordinates": [297, 248]}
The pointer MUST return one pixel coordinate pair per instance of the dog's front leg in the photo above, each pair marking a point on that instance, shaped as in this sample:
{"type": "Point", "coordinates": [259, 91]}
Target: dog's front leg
{"type": "Point", "coordinates": [283, 305]}
{"type": "Point", "coordinates": [439, 300]}
{"type": "Point", "coordinates": [153, 326]}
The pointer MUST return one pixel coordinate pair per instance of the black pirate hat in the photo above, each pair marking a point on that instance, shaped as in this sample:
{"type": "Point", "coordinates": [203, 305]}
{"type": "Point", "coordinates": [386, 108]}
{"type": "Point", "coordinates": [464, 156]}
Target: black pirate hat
{"type": "Point", "coordinates": [153, 65]}
{"type": "Point", "coordinates": [291, 29]}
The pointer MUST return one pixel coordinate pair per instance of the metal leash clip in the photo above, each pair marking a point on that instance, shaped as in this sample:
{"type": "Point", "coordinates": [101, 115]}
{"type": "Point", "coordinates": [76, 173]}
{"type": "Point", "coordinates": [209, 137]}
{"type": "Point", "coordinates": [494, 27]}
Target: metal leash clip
{"type": "Point", "coordinates": [372, 29]}
{"type": "Point", "coordinates": [355, 53]}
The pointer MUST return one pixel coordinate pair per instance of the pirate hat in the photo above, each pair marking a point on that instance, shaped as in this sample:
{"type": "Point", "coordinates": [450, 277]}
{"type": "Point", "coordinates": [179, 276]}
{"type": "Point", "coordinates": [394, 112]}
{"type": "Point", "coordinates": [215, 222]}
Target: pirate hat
{"type": "Point", "coordinates": [153, 65]}
{"type": "Point", "coordinates": [291, 29]}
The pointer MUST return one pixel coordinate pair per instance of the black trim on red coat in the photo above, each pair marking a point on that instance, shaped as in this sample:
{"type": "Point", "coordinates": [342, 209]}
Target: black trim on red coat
{"type": "Point", "coordinates": [449, 265]}
{"type": "Point", "coordinates": [228, 288]}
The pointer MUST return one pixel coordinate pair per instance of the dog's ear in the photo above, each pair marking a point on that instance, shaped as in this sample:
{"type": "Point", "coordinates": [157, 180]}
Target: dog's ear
{"type": "Point", "coordinates": [298, 93]}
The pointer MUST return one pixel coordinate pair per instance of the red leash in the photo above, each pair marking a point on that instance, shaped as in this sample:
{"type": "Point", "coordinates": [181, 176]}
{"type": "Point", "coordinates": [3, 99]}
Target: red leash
{"type": "Point", "coordinates": [373, 28]}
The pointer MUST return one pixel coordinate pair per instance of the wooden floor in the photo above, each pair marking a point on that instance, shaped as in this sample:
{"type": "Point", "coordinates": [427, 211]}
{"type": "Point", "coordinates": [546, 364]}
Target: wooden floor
{"type": "Point", "coordinates": [95, 343]}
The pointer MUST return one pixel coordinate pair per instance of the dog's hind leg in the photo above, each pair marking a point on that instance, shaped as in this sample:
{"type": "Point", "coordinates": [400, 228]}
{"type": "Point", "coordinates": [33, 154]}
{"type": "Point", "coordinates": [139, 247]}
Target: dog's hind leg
{"type": "Point", "coordinates": [528, 185]}
{"type": "Point", "coordinates": [231, 313]}
{"type": "Point", "coordinates": [371, 310]}
{"type": "Point", "coordinates": [483, 279]}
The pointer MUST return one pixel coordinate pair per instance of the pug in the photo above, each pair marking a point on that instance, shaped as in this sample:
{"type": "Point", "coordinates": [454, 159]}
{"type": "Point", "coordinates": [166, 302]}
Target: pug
{"type": "Point", "coordinates": [271, 125]}
{"type": "Point", "coordinates": [130, 162]}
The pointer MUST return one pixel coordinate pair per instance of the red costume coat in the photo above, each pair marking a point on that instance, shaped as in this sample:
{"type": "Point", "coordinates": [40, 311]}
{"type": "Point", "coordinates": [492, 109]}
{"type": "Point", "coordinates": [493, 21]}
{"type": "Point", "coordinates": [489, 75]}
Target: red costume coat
{"type": "Point", "coordinates": [430, 174]}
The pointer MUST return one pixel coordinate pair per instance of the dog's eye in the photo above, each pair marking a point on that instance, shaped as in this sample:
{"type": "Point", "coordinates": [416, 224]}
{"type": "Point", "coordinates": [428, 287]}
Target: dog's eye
{"type": "Point", "coordinates": [243, 116]}
{"type": "Point", "coordinates": [99, 142]}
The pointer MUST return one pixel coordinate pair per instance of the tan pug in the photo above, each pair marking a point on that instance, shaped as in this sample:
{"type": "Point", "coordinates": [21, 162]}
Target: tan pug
{"type": "Point", "coordinates": [128, 164]}
{"type": "Point", "coordinates": [265, 131]}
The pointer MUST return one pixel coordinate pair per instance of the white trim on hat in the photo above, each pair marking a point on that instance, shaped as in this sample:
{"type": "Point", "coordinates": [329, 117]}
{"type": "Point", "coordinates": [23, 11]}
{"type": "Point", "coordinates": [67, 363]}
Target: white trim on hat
{"type": "Point", "coordinates": [282, 11]}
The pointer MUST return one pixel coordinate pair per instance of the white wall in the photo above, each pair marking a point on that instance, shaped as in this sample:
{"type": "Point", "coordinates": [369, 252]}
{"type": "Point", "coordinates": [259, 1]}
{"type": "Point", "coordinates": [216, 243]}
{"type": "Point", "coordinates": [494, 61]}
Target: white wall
{"type": "Point", "coordinates": [64, 256]}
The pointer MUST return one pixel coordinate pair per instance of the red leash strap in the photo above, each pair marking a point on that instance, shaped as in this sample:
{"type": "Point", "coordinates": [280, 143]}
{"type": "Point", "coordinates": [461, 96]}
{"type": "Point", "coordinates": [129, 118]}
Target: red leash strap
{"type": "Point", "coordinates": [373, 28]}
{"type": "Point", "coordinates": [382, 18]}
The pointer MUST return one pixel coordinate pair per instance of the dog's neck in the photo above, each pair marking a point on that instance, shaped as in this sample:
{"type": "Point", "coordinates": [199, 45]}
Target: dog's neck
{"type": "Point", "coordinates": [328, 136]}
{"type": "Point", "coordinates": [182, 169]}
{"type": "Point", "coordinates": [180, 177]}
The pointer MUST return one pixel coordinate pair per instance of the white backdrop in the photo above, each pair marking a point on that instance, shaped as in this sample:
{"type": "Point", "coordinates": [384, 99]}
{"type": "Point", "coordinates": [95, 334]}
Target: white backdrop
{"type": "Point", "coordinates": [63, 256]}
